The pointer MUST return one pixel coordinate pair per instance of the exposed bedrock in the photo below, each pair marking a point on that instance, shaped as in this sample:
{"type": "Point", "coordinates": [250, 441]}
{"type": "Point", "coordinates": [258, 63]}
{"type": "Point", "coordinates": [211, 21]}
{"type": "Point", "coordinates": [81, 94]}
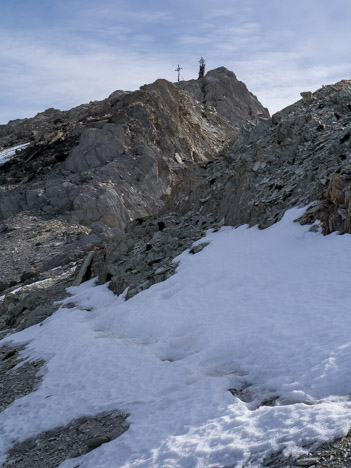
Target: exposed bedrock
{"type": "Point", "coordinates": [301, 155]}
{"type": "Point", "coordinates": [108, 162]}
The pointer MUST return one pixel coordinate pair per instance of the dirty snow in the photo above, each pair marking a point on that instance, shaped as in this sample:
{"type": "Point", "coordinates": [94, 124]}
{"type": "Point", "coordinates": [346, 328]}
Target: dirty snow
{"type": "Point", "coordinates": [9, 153]}
{"type": "Point", "coordinates": [263, 313]}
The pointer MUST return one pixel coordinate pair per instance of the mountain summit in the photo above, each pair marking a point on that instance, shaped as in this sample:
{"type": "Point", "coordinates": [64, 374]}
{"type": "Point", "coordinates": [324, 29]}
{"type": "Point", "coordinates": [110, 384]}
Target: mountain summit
{"type": "Point", "coordinates": [101, 165]}
{"type": "Point", "coordinates": [180, 340]}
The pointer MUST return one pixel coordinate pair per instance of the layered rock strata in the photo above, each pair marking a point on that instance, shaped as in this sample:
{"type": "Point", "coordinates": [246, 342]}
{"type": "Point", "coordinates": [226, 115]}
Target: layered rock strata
{"type": "Point", "coordinates": [301, 155]}
{"type": "Point", "coordinates": [93, 169]}
{"type": "Point", "coordinates": [106, 163]}
{"type": "Point", "coordinates": [162, 140]}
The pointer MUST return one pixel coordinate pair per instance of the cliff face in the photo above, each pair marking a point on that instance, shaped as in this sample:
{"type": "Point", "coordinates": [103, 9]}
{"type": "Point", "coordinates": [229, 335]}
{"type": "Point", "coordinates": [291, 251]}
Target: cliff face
{"type": "Point", "coordinates": [220, 91]}
{"type": "Point", "coordinates": [117, 189]}
{"type": "Point", "coordinates": [301, 155]}
{"type": "Point", "coordinates": [101, 165]}
{"type": "Point", "coordinates": [106, 163]}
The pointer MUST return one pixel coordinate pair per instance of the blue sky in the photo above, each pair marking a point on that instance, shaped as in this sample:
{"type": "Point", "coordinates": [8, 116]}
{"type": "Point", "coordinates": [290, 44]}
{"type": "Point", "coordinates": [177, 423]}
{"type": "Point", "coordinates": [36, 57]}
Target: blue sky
{"type": "Point", "coordinates": [67, 52]}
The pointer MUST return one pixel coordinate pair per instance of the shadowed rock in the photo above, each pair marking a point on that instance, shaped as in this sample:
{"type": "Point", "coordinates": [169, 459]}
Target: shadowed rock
{"type": "Point", "coordinates": [49, 449]}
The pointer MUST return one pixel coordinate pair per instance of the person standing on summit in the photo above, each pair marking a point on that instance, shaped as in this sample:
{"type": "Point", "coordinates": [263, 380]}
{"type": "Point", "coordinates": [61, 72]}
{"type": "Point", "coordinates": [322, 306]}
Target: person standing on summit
{"type": "Point", "coordinates": [202, 67]}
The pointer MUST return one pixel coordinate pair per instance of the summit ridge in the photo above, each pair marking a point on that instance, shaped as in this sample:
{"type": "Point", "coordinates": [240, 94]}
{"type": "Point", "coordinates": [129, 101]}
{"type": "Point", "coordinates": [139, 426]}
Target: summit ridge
{"type": "Point", "coordinates": [116, 196]}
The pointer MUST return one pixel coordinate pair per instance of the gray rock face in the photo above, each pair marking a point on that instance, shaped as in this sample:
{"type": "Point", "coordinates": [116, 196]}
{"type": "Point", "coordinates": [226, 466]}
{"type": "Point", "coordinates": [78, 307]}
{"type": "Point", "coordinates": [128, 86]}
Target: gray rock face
{"type": "Point", "coordinates": [144, 254]}
{"type": "Point", "coordinates": [148, 152]}
{"type": "Point", "coordinates": [222, 92]}
{"type": "Point", "coordinates": [106, 163]}
{"type": "Point", "coordinates": [302, 154]}
{"type": "Point", "coordinates": [96, 148]}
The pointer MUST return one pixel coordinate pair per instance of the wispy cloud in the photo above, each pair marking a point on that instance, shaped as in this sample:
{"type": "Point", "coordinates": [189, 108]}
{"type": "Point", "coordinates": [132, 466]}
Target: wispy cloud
{"type": "Point", "coordinates": [130, 15]}
{"type": "Point", "coordinates": [220, 12]}
{"type": "Point", "coordinates": [88, 50]}
{"type": "Point", "coordinates": [226, 38]}
{"type": "Point", "coordinates": [278, 79]}
{"type": "Point", "coordinates": [230, 9]}
{"type": "Point", "coordinates": [194, 40]}
{"type": "Point", "coordinates": [39, 76]}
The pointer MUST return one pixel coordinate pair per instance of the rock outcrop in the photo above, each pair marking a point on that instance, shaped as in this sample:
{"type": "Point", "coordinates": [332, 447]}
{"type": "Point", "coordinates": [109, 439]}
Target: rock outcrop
{"type": "Point", "coordinates": [127, 168]}
{"type": "Point", "coordinates": [106, 163]}
{"type": "Point", "coordinates": [116, 189]}
{"type": "Point", "coordinates": [301, 155]}
{"type": "Point", "coordinates": [101, 165]}
{"type": "Point", "coordinates": [221, 92]}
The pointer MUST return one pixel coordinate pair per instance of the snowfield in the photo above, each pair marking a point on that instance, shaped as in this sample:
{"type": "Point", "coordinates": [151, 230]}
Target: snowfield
{"type": "Point", "coordinates": [265, 314]}
{"type": "Point", "coordinates": [9, 153]}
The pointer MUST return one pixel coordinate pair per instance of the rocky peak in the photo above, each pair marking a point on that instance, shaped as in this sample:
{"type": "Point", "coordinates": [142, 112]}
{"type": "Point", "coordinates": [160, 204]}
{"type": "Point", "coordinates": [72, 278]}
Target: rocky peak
{"type": "Point", "coordinates": [194, 155]}
{"type": "Point", "coordinates": [301, 155]}
{"type": "Point", "coordinates": [163, 149]}
{"type": "Point", "coordinates": [103, 164]}
{"type": "Point", "coordinates": [220, 90]}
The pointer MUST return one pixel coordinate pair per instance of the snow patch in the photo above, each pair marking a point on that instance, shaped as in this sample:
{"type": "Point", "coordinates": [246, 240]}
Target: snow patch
{"type": "Point", "coordinates": [243, 352]}
{"type": "Point", "coordinates": [9, 153]}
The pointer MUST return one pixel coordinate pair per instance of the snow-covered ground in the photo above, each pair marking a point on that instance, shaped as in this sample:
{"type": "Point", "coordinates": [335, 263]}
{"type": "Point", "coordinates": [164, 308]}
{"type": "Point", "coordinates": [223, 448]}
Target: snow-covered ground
{"type": "Point", "coordinates": [9, 153]}
{"type": "Point", "coordinates": [264, 312]}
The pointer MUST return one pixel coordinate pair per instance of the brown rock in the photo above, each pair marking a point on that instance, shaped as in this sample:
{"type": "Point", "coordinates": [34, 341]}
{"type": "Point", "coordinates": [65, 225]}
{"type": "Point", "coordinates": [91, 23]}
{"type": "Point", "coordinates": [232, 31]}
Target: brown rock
{"type": "Point", "coordinates": [334, 190]}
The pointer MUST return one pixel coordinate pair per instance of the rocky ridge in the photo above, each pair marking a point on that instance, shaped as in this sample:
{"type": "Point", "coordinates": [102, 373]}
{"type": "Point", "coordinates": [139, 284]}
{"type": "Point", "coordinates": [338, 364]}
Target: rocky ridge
{"type": "Point", "coordinates": [106, 163]}
{"type": "Point", "coordinates": [301, 155]}
{"type": "Point", "coordinates": [99, 166]}
{"type": "Point", "coordinates": [86, 173]}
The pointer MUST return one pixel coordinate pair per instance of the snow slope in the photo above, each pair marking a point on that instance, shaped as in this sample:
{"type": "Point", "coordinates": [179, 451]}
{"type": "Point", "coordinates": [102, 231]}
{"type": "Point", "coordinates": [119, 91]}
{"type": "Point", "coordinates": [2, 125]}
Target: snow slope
{"type": "Point", "coordinates": [266, 313]}
{"type": "Point", "coordinates": [9, 153]}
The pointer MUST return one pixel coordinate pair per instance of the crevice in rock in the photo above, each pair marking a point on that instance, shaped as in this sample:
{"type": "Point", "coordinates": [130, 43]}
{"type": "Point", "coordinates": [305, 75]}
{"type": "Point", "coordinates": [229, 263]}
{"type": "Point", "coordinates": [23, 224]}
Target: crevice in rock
{"type": "Point", "coordinates": [346, 137]}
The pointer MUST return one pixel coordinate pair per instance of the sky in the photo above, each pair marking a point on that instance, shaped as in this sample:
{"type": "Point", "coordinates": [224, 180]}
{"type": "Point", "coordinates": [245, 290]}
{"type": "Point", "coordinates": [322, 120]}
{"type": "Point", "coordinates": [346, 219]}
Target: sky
{"type": "Point", "coordinates": [62, 53]}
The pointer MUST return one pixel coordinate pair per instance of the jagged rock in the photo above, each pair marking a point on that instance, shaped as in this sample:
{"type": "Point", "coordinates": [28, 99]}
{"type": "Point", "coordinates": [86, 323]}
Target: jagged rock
{"type": "Point", "coordinates": [132, 148]}
{"type": "Point", "coordinates": [49, 449]}
{"type": "Point", "coordinates": [83, 271]}
{"type": "Point", "coordinates": [17, 376]}
{"type": "Point", "coordinates": [96, 147]}
{"type": "Point", "coordinates": [302, 154]}
{"type": "Point", "coordinates": [101, 165]}
{"type": "Point", "coordinates": [144, 254]}
{"type": "Point", "coordinates": [334, 208]}
{"type": "Point", "coordinates": [298, 156]}
{"type": "Point", "coordinates": [307, 95]}
{"type": "Point", "coordinates": [222, 92]}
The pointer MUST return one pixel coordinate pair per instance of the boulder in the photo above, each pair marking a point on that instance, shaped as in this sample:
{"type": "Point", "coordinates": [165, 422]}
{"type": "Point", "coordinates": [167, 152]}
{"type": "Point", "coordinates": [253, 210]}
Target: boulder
{"type": "Point", "coordinates": [96, 147]}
